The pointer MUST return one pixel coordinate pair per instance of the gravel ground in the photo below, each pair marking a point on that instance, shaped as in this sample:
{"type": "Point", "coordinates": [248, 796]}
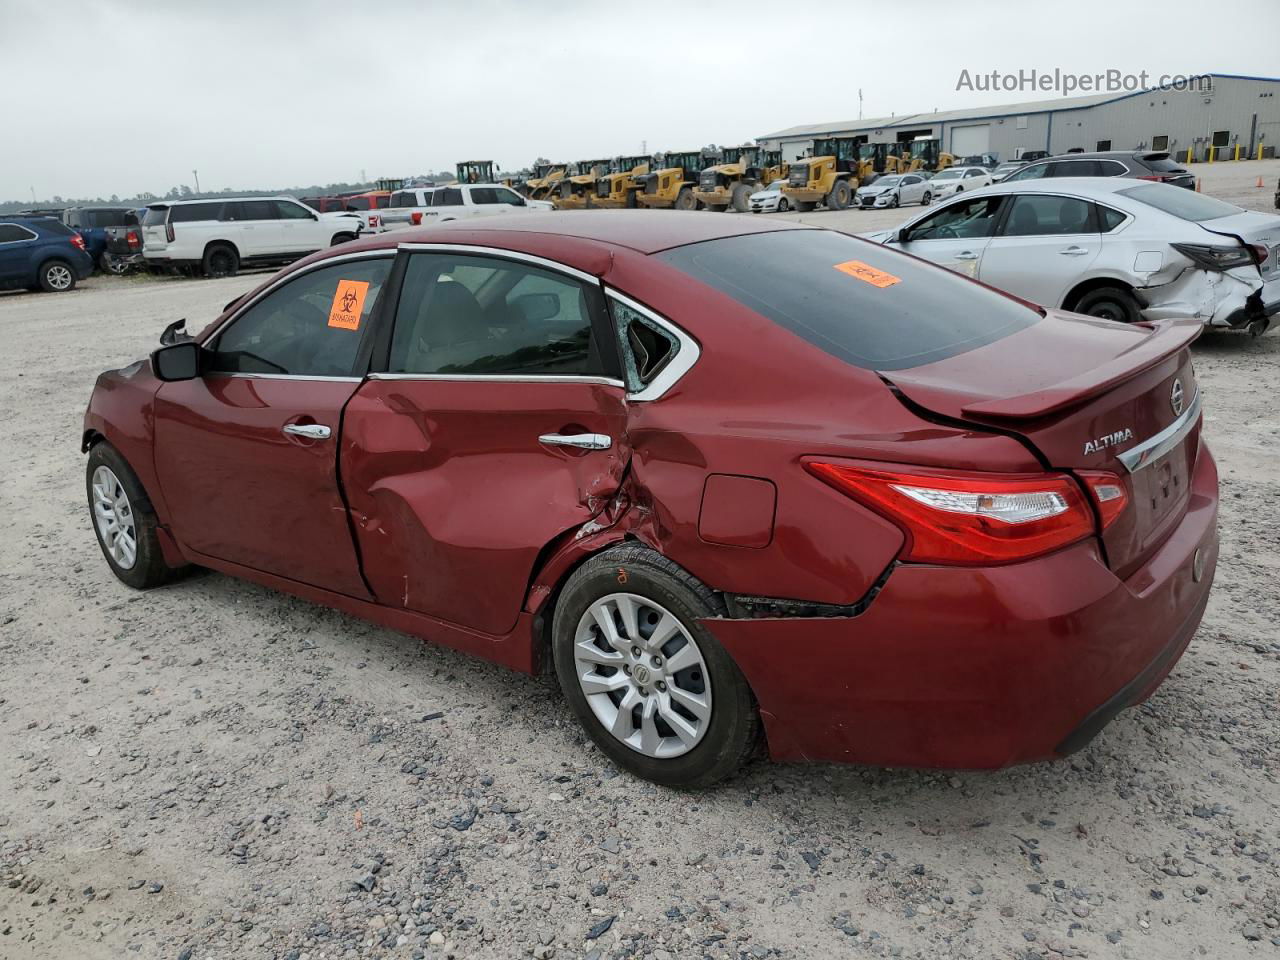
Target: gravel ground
{"type": "Point", "coordinates": [216, 770]}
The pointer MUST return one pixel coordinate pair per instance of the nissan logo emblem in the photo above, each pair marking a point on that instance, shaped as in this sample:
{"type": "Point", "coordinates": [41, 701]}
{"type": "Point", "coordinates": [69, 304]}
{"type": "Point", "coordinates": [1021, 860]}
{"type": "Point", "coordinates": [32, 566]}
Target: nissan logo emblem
{"type": "Point", "coordinates": [1175, 397]}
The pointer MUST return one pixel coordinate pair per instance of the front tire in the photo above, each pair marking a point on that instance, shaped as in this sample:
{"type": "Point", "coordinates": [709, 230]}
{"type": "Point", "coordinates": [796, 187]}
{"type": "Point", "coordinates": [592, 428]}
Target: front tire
{"type": "Point", "coordinates": [926, 199]}
{"type": "Point", "coordinates": [341, 238]}
{"type": "Point", "coordinates": [123, 520]}
{"type": "Point", "coordinates": [56, 276]}
{"type": "Point", "coordinates": [783, 206]}
{"type": "Point", "coordinates": [741, 197]}
{"type": "Point", "coordinates": [685, 200]}
{"type": "Point", "coordinates": [839, 196]}
{"type": "Point", "coordinates": [654, 689]}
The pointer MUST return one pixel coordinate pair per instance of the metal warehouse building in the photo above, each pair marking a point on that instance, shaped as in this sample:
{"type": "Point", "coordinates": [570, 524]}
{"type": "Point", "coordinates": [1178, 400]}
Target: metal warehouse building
{"type": "Point", "coordinates": [1218, 110]}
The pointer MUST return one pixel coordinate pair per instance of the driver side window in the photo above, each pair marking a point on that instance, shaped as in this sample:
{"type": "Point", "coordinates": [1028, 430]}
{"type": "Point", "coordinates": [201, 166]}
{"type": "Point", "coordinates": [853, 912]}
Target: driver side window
{"type": "Point", "coordinates": [309, 327]}
{"type": "Point", "coordinates": [963, 220]}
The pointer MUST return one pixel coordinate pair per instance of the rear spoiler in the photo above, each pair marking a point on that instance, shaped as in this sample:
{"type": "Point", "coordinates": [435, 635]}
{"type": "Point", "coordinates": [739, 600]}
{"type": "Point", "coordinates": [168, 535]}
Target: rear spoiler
{"type": "Point", "coordinates": [1167, 338]}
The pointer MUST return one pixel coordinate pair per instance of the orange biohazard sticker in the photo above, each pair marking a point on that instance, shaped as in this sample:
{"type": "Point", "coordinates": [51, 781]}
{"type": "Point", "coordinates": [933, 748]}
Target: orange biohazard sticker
{"type": "Point", "coordinates": [348, 304]}
{"type": "Point", "coordinates": [867, 273]}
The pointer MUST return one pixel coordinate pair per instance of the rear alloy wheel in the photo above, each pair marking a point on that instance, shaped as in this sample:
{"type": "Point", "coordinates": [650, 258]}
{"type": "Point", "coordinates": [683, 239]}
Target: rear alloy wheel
{"type": "Point", "coordinates": [1110, 303]}
{"type": "Point", "coordinates": [56, 276]}
{"type": "Point", "coordinates": [220, 261]}
{"type": "Point", "coordinates": [926, 199]}
{"type": "Point", "coordinates": [653, 688]}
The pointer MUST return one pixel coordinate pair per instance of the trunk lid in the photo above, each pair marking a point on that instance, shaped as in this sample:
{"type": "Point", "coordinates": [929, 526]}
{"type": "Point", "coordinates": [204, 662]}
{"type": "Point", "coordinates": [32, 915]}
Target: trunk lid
{"type": "Point", "coordinates": [1087, 395]}
{"type": "Point", "coordinates": [1251, 227]}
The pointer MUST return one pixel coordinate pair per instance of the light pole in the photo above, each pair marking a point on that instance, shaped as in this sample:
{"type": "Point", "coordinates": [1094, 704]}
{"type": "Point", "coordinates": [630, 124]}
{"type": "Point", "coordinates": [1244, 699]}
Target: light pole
{"type": "Point", "coordinates": [196, 174]}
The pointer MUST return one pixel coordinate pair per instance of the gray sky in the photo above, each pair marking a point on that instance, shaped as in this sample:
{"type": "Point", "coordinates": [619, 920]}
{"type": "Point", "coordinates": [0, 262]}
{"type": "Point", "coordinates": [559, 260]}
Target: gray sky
{"type": "Point", "coordinates": [120, 97]}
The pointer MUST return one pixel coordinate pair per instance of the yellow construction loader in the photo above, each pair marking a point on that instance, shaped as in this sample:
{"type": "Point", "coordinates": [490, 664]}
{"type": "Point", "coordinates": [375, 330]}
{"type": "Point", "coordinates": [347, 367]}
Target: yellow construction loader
{"type": "Point", "coordinates": [671, 186]}
{"type": "Point", "coordinates": [731, 182]}
{"type": "Point", "coordinates": [475, 171]}
{"type": "Point", "coordinates": [618, 187]}
{"type": "Point", "coordinates": [829, 176]}
{"type": "Point", "coordinates": [542, 183]}
{"type": "Point", "coordinates": [577, 190]}
{"type": "Point", "coordinates": [772, 167]}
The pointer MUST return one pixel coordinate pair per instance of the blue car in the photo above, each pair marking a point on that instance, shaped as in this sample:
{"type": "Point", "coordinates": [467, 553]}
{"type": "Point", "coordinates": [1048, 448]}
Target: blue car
{"type": "Point", "coordinates": [41, 253]}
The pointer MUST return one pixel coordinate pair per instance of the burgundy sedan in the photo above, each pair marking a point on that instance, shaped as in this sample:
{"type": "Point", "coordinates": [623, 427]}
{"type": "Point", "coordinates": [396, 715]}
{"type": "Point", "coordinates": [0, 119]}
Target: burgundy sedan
{"type": "Point", "coordinates": [730, 480]}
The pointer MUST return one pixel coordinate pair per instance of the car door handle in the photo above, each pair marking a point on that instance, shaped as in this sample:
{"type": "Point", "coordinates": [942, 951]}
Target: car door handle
{"type": "Point", "coordinates": [312, 431]}
{"type": "Point", "coordinates": [584, 441]}
{"type": "Point", "coordinates": [1073, 251]}
{"type": "Point", "coordinates": [967, 255]}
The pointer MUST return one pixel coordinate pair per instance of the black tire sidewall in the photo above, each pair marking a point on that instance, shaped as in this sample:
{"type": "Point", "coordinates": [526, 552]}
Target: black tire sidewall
{"type": "Point", "coordinates": [213, 252]}
{"type": "Point", "coordinates": [48, 265]}
{"type": "Point", "coordinates": [149, 569]}
{"type": "Point", "coordinates": [1128, 307]}
{"type": "Point", "coordinates": [734, 719]}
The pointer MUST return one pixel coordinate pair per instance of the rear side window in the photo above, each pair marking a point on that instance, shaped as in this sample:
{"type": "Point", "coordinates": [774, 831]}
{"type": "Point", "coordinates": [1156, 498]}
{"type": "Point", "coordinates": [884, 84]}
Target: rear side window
{"type": "Point", "coordinates": [192, 212]}
{"type": "Point", "coordinates": [310, 326]}
{"type": "Point", "coordinates": [1076, 168]}
{"type": "Point", "coordinates": [1108, 218]}
{"type": "Point", "coordinates": [1182, 203]}
{"type": "Point", "coordinates": [1033, 172]}
{"type": "Point", "coordinates": [447, 197]}
{"type": "Point", "coordinates": [1033, 215]}
{"type": "Point", "coordinates": [12, 233]}
{"type": "Point", "coordinates": [252, 210]}
{"type": "Point", "coordinates": [860, 302]}
{"type": "Point", "coordinates": [56, 226]}
{"type": "Point", "coordinates": [479, 315]}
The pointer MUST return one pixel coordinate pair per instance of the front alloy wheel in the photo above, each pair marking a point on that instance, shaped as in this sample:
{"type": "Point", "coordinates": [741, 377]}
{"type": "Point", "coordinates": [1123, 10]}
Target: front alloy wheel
{"type": "Point", "coordinates": [643, 675]}
{"type": "Point", "coordinates": [113, 516]}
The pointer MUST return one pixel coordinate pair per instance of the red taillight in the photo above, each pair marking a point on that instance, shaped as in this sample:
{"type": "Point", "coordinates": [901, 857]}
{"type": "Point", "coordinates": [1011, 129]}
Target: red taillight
{"type": "Point", "coordinates": [168, 232]}
{"type": "Point", "coordinates": [1261, 252]}
{"type": "Point", "coordinates": [1156, 177]}
{"type": "Point", "coordinates": [77, 241]}
{"type": "Point", "coordinates": [131, 238]}
{"type": "Point", "coordinates": [1108, 493]}
{"type": "Point", "coordinates": [968, 519]}
{"type": "Point", "coordinates": [416, 217]}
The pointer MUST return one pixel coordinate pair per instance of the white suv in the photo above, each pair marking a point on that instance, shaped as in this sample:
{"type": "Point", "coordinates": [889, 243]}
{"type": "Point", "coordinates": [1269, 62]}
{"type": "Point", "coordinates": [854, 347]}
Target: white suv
{"type": "Point", "coordinates": [220, 235]}
{"type": "Point", "coordinates": [456, 201]}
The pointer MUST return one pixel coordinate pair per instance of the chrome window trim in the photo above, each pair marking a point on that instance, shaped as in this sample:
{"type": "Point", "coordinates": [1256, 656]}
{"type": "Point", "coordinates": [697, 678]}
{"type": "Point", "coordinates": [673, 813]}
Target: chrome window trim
{"type": "Point", "coordinates": [686, 356]}
{"type": "Point", "coordinates": [500, 253]}
{"type": "Point", "coordinates": [503, 378]}
{"type": "Point", "coordinates": [282, 278]}
{"type": "Point", "coordinates": [1156, 446]}
{"type": "Point", "coordinates": [281, 376]}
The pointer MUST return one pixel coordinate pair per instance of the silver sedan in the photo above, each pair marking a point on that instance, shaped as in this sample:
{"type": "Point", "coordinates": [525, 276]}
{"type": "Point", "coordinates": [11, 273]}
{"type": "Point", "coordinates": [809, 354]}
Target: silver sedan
{"type": "Point", "coordinates": [894, 190]}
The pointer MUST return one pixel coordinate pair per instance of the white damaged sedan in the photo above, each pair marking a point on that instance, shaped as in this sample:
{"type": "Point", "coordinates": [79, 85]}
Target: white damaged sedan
{"type": "Point", "coordinates": [1117, 248]}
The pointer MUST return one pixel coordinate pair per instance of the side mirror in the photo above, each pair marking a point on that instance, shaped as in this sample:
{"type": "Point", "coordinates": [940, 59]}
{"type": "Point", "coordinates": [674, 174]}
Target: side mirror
{"type": "Point", "coordinates": [534, 307]}
{"type": "Point", "coordinates": [901, 235]}
{"type": "Point", "coordinates": [178, 361]}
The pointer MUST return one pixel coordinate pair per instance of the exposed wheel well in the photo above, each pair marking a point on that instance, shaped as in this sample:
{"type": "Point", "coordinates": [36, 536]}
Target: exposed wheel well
{"type": "Point", "coordinates": [342, 236]}
{"type": "Point", "coordinates": [90, 439]}
{"type": "Point", "coordinates": [1076, 293]}
{"type": "Point", "coordinates": [220, 243]}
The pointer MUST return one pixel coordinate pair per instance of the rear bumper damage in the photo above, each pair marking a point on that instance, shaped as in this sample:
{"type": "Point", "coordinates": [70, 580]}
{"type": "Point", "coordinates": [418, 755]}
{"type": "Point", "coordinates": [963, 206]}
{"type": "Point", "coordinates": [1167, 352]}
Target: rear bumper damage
{"type": "Point", "coordinates": [1235, 298]}
{"type": "Point", "coordinates": [981, 668]}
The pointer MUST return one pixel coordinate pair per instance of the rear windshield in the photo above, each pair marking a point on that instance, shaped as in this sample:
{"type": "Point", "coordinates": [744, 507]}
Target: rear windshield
{"type": "Point", "coordinates": [155, 216]}
{"type": "Point", "coordinates": [1163, 163]}
{"type": "Point", "coordinates": [56, 226]}
{"type": "Point", "coordinates": [867, 305]}
{"type": "Point", "coordinates": [107, 218]}
{"type": "Point", "coordinates": [1180, 202]}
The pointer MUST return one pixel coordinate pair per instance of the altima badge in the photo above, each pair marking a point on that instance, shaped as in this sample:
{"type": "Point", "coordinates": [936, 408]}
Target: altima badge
{"type": "Point", "coordinates": [1110, 440]}
{"type": "Point", "coordinates": [1175, 397]}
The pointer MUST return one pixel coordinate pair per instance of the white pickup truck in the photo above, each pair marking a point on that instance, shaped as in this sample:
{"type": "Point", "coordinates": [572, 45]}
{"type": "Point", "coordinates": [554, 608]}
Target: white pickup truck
{"type": "Point", "coordinates": [456, 201]}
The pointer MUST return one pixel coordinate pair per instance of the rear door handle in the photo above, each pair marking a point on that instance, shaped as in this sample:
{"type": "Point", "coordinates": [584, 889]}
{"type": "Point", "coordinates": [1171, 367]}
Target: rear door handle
{"type": "Point", "coordinates": [966, 255]}
{"type": "Point", "coordinates": [583, 441]}
{"type": "Point", "coordinates": [312, 431]}
{"type": "Point", "coordinates": [1073, 251]}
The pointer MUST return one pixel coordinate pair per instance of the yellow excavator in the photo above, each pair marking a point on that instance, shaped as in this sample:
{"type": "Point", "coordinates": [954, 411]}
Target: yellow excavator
{"type": "Point", "coordinates": [829, 176]}
{"type": "Point", "coordinates": [731, 182]}
{"type": "Point", "coordinates": [542, 183]}
{"type": "Point", "coordinates": [577, 190]}
{"type": "Point", "coordinates": [671, 186]}
{"type": "Point", "coordinates": [618, 187]}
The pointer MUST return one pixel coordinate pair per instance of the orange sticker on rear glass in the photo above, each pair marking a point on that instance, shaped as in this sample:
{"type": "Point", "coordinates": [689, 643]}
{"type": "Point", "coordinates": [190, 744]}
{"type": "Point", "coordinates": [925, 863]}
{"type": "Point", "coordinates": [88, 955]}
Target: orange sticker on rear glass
{"type": "Point", "coordinates": [348, 304]}
{"type": "Point", "coordinates": [867, 273]}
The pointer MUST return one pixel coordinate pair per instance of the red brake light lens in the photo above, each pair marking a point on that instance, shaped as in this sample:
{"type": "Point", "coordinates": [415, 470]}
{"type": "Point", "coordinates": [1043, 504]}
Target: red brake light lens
{"type": "Point", "coordinates": [1108, 493]}
{"type": "Point", "coordinates": [77, 241]}
{"type": "Point", "coordinates": [968, 519]}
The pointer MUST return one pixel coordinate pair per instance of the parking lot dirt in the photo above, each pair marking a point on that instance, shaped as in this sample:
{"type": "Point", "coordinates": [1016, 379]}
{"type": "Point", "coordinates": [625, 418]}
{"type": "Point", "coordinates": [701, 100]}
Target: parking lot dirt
{"type": "Point", "coordinates": [216, 770]}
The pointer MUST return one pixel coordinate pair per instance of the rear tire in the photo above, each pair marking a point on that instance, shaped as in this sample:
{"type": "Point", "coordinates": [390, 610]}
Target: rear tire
{"type": "Point", "coordinates": [220, 260]}
{"type": "Point", "coordinates": [716, 739]}
{"type": "Point", "coordinates": [1110, 303]}
{"type": "Point", "coordinates": [926, 199]}
{"type": "Point", "coordinates": [123, 520]}
{"type": "Point", "coordinates": [341, 238]}
{"type": "Point", "coordinates": [57, 276]}
{"type": "Point", "coordinates": [685, 200]}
